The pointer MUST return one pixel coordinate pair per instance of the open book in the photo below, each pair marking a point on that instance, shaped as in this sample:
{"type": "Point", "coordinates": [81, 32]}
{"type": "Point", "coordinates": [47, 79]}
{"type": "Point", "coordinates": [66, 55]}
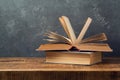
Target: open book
{"type": "Point", "coordinates": [59, 42]}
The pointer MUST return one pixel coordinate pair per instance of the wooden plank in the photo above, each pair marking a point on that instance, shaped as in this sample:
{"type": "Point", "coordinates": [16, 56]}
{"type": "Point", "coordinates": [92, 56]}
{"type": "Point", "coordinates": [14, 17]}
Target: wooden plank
{"type": "Point", "coordinates": [59, 75]}
{"type": "Point", "coordinates": [38, 64]}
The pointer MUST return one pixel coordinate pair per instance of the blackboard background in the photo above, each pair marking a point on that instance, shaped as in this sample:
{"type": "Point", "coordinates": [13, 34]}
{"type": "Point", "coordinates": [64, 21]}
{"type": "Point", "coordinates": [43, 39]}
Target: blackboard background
{"type": "Point", "coordinates": [23, 22]}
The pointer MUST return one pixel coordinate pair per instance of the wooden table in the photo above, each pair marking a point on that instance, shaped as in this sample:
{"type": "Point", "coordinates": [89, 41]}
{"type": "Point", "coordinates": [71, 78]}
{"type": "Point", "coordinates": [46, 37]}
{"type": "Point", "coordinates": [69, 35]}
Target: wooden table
{"type": "Point", "coordinates": [36, 69]}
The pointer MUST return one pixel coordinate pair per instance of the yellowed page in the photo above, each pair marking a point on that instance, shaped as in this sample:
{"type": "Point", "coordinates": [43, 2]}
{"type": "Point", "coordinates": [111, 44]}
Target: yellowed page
{"type": "Point", "coordinates": [83, 31]}
{"type": "Point", "coordinates": [70, 29]}
{"type": "Point", "coordinates": [64, 26]}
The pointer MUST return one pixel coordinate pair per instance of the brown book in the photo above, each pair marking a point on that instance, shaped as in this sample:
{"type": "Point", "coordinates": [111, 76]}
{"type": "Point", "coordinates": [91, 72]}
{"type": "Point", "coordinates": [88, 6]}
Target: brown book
{"type": "Point", "coordinates": [72, 49]}
{"type": "Point", "coordinates": [81, 47]}
{"type": "Point", "coordinates": [73, 57]}
{"type": "Point", "coordinates": [59, 42]}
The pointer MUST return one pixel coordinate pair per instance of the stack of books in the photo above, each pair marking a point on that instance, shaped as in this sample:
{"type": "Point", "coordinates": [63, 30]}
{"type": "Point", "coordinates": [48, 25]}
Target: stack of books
{"type": "Point", "coordinates": [72, 49]}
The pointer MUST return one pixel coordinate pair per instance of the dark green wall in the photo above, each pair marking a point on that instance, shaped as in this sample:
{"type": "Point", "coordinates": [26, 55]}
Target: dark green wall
{"type": "Point", "coordinates": [23, 22]}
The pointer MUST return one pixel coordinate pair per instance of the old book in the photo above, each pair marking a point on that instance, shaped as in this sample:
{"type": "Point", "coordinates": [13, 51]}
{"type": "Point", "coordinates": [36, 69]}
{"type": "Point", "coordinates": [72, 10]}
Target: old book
{"type": "Point", "coordinates": [59, 42]}
{"type": "Point", "coordinates": [81, 47]}
{"type": "Point", "coordinates": [73, 57]}
{"type": "Point", "coordinates": [72, 49]}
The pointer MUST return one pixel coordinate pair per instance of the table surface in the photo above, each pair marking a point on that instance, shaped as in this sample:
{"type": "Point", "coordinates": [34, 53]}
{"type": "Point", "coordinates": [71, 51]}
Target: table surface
{"type": "Point", "coordinates": [38, 64]}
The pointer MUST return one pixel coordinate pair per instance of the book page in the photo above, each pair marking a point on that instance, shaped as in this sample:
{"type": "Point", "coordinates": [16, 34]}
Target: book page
{"type": "Point", "coordinates": [69, 29]}
{"type": "Point", "coordinates": [64, 26]}
{"type": "Point", "coordinates": [54, 47]}
{"type": "Point", "coordinates": [57, 38]}
{"type": "Point", "coordinates": [95, 38]}
{"type": "Point", "coordinates": [102, 47]}
{"type": "Point", "coordinates": [83, 31]}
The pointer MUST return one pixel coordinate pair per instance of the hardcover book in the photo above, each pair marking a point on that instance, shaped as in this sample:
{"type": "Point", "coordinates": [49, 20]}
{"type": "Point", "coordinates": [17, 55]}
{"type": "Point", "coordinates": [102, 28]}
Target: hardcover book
{"type": "Point", "coordinates": [72, 49]}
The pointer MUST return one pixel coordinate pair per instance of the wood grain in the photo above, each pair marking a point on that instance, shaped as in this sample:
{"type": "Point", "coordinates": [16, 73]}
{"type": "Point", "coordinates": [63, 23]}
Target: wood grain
{"type": "Point", "coordinates": [38, 64]}
{"type": "Point", "coordinates": [59, 75]}
{"type": "Point", "coordinates": [36, 69]}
